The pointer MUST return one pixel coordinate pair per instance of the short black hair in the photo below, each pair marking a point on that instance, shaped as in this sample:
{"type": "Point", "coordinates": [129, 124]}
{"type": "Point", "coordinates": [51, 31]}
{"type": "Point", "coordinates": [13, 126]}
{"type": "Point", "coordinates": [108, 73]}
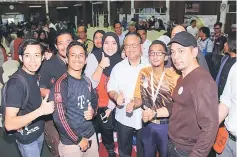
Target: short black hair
{"type": "Point", "coordinates": [141, 27]}
{"type": "Point", "coordinates": [85, 29]}
{"type": "Point", "coordinates": [231, 41]}
{"type": "Point", "coordinates": [75, 43]}
{"type": "Point", "coordinates": [20, 34]}
{"type": "Point", "coordinates": [160, 43]}
{"type": "Point", "coordinates": [218, 24]}
{"type": "Point", "coordinates": [206, 31]}
{"type": "Point", "coordinates": [27, 42]}
{"type": "Point", "coordinates": [192, 21]}
{"type": "Point", "coordinates": [133, 33]}
{"type": "Point", "coordinates": [61, 33]}
{"type": "Point", "coordinates": [117, 22]}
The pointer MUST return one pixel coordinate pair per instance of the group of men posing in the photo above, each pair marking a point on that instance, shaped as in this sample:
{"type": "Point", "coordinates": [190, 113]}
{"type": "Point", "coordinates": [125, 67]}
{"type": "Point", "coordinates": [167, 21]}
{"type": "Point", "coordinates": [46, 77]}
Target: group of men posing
{"type": "Point", "coordinates": [170, 110]}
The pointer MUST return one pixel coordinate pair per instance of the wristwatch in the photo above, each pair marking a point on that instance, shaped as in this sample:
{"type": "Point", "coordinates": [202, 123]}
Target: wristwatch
{"type": "Point", "coordinates": [155, 116]}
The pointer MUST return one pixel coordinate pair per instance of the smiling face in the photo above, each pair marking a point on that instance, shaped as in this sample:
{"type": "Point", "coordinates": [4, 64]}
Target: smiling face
{"type": "Point", "coordinates": [98, 40]}
{"type": "Point", "coordinates": [157, 55]}
{"type": "Point", "coordinates": [31, 59]}
{"type": "Point", "coordinates": [76, 58]}
{"type": "Point", "coordinates": [110, 46]}
{"type": "Point", "coordinates": [62, 43]}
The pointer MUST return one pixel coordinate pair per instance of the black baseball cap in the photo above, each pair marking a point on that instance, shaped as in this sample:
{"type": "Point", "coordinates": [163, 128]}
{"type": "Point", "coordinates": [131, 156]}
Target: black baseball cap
{"type": "Point", "coordinates": [185, 39]}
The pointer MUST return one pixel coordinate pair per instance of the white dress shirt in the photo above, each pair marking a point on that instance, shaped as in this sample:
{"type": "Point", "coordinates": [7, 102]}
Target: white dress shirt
{"type": "Point", "coordinates": [145, 49]}
{"type": "Point", "coordinates": [123, 78]}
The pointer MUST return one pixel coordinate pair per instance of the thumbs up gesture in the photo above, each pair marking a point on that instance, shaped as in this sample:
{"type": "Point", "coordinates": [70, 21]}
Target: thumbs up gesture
{"type": "Point", "coordinates": [120, 98]}
{"type": "Point", "coordinates": [88, 115]}
{"type": "Point", "coordinates": [105, 62]}
{"type": "Point", "coordinates": [46, 107]}
{"type": "Point", "coordinates": [130, 106]}
{"type": "Point", "coordinates": [147, 114]}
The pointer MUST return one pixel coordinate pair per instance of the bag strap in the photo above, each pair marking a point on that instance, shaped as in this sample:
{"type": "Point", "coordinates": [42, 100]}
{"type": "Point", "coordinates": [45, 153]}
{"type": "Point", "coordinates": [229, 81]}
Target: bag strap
{"type": "Point", "coordinates": [26, 90]}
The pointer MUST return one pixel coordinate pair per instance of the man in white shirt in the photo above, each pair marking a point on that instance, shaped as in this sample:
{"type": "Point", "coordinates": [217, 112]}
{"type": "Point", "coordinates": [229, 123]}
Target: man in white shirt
{"type": "Point", "coordinates": [141, 30]}
{"type": "Point", "coordinates": [228, 112]}
{"type": "Point", "coordinates": [192, 29]}
{"type": "Point", "coordinates": [121, 87]}
{"type": "Point", "coordinates": [118, 30]}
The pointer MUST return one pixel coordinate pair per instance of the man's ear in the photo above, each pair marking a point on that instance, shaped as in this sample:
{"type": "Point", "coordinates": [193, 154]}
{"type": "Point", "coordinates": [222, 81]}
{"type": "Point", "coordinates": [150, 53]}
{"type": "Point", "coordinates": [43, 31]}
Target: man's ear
{"type": "Point", "coordinates": [21, 58]}
{"type": "Point", "coordinates": [195, 52]}
{"type": "Point", "coordinates": [42, 58]}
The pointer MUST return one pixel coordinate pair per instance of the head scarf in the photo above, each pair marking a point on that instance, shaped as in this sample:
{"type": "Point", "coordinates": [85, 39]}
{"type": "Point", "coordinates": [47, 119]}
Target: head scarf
{"type": "Point", "coordinates": [95, 49]}
{"type": "Point", "coordinates": [114, 59]}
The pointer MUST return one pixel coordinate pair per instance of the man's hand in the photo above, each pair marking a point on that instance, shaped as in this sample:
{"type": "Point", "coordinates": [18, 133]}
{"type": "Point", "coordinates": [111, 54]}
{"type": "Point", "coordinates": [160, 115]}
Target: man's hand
{"type": "Point", "coordinates": [83, 144]}
{"type": "Point", "coordinates": [120, 98]}
{"type": "Point", "coordinates": [46, 108]}
{"type": "Point", "coordinates": [130, 106]}
{"type": "Point", "coordinates": [148, 114]}
{"type": "Point", "coordinates": [88, 115]}
{"type": "Point", "coordinates": [108, 112]}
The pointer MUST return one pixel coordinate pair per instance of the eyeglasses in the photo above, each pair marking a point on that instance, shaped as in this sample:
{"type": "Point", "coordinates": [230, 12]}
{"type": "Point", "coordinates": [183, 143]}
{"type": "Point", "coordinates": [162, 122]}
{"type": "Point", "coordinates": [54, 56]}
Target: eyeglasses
{"type": "Point", "coordinates": [157, 53]}
{"type": "Point", "coordinates": [216, 28]}
{"type": "Point", "coordinates": [126, 47]}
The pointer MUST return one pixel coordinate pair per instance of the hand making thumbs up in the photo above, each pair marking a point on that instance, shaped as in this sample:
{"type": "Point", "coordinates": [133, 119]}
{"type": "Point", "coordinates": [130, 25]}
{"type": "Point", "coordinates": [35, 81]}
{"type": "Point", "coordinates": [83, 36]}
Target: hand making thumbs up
{"type": "Point", "coordinates": [88, 115]}
{"type": "Point", "coordinates": [46, 107]}
{"type": "Point", "coordinates": [147, 114]}
{"type": "Point", "coordinates": [105, 62]}
{"type": "Point", "coordinates": [120, 98]}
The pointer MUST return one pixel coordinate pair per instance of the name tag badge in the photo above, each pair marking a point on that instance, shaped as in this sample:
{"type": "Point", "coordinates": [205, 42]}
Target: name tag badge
{"type": "Point", "coordinates": [180, 90]}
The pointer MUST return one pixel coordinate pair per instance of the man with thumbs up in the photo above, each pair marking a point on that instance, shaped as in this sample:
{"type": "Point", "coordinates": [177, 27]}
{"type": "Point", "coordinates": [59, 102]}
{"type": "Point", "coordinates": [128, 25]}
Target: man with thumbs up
{"type": "Point", "coordinates": [27, 122]}
{"type": "Point", "coordinates": [75, 105]}
{"type": "Point", "coordinates": [121, 88]}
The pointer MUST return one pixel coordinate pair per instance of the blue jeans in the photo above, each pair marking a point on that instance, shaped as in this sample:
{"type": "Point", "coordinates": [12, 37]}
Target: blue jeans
{"type": "Point", "coordinates": [33, 149]}
{"type": "Point", "coordinates": [155, 138]}
{"type": "Point", "coordinates": [230, 149]}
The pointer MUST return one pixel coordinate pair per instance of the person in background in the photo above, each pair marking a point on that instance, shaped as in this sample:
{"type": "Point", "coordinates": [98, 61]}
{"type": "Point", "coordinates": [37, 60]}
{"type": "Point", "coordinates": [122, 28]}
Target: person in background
{"type": "Point", "coordinates": [192, 29]}
{"type": "Point", "coordinates": [14, 45]}
{"type": "Point", "coordinates": [201, 59]}
{"type": "Point", "coordinates": [214, 60]}
{"type": "Point", "coordinates": [42, 37]}
{"type": "Point", "coordinates": [226, 62]}
{"type": "Point", "coordinates": [141, 30]}
{"type": "Point", "coordinates": [205, 45]}
{"type": "Point", "coordinates": [118, 30]}
{"type": "Point", "coordinates": [98, 69]}
{"type": "Point", "coordinates": [36, 35]}
{"type": "Point", "coordinates": [132, 27]}
{"type": "Point", "coordinates": [82, 35]}
{"type": "Point", "coordinates": [97, 40]}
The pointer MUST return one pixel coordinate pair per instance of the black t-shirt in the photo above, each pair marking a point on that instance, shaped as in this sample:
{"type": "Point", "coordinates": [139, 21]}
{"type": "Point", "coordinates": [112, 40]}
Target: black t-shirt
{"type": "Point", "coordinates": [50, 71]}
{"type": "Point", "coordinates": [16, 96]}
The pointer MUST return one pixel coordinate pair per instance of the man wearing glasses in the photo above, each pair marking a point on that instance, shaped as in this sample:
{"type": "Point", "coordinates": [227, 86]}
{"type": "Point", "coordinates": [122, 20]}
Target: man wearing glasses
{"type": "Point", "coordinates": [121, 88]}
{"type": "Point", "coordinates": [154, 88]}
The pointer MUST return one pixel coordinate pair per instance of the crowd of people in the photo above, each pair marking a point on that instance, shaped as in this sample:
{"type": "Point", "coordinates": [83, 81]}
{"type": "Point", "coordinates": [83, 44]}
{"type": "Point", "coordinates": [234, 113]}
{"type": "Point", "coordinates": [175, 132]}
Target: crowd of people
{"type": "Point", "coordinates": [172, 93]}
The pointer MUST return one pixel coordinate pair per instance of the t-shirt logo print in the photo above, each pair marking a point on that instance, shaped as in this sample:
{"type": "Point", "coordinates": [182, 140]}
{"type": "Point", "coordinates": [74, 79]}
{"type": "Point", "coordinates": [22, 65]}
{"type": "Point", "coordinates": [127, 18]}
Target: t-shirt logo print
{"type": "Point", "coordinates": [81, 101]}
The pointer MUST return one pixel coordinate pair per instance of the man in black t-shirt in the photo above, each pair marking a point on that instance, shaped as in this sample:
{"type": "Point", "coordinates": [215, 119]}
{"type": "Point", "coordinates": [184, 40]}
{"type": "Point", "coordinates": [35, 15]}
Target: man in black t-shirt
{"type": "Point", "coordinates": [50, 71]}
{"type": "Point", "coordinates": [27, 124]}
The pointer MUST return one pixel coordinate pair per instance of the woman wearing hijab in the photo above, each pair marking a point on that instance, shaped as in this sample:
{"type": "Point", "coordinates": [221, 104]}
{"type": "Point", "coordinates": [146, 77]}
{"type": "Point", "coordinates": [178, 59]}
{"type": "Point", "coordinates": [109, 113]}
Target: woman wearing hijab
{"type": "Point", "coordinates": [97, 40]}
{"type": "Point", "coordinates": [99, 67]}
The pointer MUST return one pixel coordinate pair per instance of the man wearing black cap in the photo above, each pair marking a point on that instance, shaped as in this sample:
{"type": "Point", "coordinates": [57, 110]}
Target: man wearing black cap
{"type": "Point", "coordinates": [193, 122]}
